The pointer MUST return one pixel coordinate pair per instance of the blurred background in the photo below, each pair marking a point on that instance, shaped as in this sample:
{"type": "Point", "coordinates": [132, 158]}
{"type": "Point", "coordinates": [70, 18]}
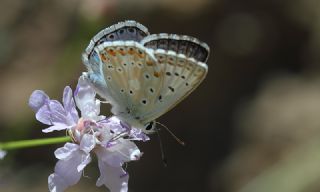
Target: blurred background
{"type": "Point", "coordinates": [253, 125]}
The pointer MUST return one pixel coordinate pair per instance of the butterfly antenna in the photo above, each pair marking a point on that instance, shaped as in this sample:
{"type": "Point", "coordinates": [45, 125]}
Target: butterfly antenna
{"type": "Point", "coordinates": [164, 159]}
{"type": "Point", "coordinates": [172, 134]}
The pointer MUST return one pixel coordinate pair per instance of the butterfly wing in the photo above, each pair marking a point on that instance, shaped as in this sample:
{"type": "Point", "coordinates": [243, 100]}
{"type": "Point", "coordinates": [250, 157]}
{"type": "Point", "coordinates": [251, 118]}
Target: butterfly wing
{"type": "Point", "coordinates": [180, 59]}
{"type": "Point", "coordinates": [131, 78]}
{"type": "Point", "coordinates": [128, 30]}
{"type": "Point", "coordinates": [180, 76]}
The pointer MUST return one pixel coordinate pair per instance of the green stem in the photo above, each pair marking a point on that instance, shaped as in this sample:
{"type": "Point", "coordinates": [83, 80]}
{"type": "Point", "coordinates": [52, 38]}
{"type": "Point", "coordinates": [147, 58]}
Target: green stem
{"type": "Point", "coordinates": [33, 143]}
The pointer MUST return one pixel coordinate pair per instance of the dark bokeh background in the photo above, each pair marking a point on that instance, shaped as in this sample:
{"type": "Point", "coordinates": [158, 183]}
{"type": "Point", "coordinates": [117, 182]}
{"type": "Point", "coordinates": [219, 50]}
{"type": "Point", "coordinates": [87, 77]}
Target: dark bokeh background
{"type": "Point", "coordinates": [252, 126]}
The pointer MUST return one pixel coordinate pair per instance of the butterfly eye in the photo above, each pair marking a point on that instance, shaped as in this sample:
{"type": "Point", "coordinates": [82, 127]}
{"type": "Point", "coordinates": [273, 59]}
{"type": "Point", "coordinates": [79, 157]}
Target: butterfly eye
{"type": "Point", "coordinates": [150, 126]}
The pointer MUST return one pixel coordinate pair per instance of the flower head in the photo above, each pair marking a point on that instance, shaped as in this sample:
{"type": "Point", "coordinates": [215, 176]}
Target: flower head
{"type": "Point", "coordinates": [109, 138]}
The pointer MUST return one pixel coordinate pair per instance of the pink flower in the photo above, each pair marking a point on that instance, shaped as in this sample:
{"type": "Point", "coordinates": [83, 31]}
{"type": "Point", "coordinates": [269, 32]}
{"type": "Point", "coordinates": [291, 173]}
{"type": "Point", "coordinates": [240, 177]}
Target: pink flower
{"type": "Point", "coordinates": [108, 138]}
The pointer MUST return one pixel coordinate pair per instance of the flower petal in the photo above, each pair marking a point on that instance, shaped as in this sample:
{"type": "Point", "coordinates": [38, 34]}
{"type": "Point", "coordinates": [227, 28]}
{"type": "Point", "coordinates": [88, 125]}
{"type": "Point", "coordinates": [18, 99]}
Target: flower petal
{"type": "Point", "coordinates": [85, 161]}
{"type": "Point", "coordinates": [138, 135]}
{"type": "Point", "coordinates": [37, 99]}
{"type": "Point", "coordinates": [53, 113]}
{"type": "Point", "coordinates": [56, 128]}
{"type": "Point", "coordinates": [127, 150]}
{"type": "Point", "coordinates": [87, 143]}
{"type": "Point", "coordinates": [69, 105]}
{"type": "Point", "coordinates": [115, 178]}
{"type": "Point", "coordinates": [85, 99]}
{"type": "Point", "coordinates": [58, 113]}
{"type": "Point", "coordinates": [113, 123]}
{"type": "Point", "coordinates": [2, 154]}
{"type": "Point", "coordinates": [122, 151]}
{"type": "Point", "coordinates": [57, 183]}
{"type": "Point", "coordinates": [44, 115]}
{"type": "Point", "coordinates": [66, 171]}
{"type": "Point", "coordinates": [65, 152]}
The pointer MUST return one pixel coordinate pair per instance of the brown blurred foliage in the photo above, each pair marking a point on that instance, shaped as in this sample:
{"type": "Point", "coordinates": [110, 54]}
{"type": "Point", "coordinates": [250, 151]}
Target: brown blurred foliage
{"type": "Point", "coordinates": [251, 126]}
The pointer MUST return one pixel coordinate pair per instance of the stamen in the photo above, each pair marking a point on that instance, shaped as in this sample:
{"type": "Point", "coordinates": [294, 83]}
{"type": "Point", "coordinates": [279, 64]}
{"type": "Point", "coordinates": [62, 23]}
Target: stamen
{"type": "Point", "coordinates": [118, 136]}
{"type": "Point", "coordinates": [70, 134]}
{"type": "Point", "coordinates": [84, 175]}
{"type": "Point", "coordinates": [125, 125]}
{"type": "Point", "coordinates": [104, 120]}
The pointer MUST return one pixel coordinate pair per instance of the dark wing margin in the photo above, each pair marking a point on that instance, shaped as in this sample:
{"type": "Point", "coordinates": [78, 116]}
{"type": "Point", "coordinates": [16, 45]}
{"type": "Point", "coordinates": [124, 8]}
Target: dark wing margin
{"type": "Point", "coordinates": [122, 31]}
{"type": "Point", "coordinates": [189, 46]}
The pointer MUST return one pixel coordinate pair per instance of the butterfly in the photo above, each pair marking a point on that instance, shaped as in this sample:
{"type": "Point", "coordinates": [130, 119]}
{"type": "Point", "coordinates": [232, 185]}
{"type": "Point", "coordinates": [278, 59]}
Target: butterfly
{"type": "Point", "coordinates": [141, 75]}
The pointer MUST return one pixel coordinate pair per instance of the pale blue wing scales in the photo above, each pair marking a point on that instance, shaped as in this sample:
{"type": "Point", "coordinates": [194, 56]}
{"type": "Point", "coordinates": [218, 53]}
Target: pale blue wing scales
{"type": "Point", "coordinates": [130, 72]}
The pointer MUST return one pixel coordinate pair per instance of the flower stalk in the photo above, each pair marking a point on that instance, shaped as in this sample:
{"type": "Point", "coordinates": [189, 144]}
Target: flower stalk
{"type": "Point", "coordinates": [33, 143]}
